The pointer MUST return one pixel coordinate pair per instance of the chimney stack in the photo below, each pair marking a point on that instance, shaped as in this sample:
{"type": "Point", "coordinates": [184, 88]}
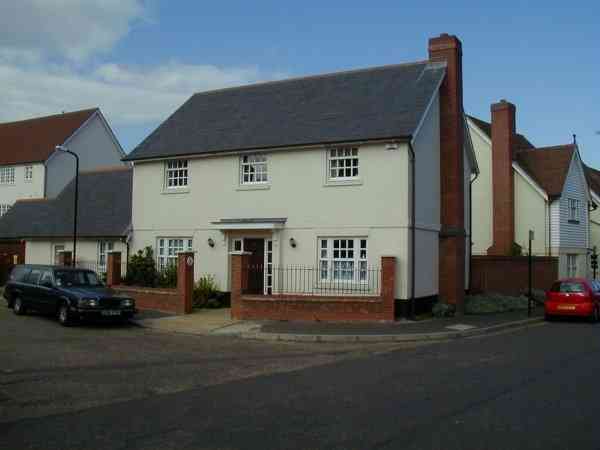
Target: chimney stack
{"type": "Point", "coordinates": [448, 49]}
{"type": "Point", "coordinates": [503, 137]}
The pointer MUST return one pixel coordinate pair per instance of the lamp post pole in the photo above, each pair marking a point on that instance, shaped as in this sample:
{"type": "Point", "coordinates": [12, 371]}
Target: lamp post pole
{"type": "Point", "coordinates": [530, 261]}
{"type": "Point", "coordinates": [64, 149]}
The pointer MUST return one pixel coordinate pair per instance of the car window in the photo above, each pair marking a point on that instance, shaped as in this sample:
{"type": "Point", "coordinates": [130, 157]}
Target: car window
{"type": "Point", "coordinates": [571, 287]}
{"type": "Point", "coordinates": [19, 274]}
{"type": "Point", "coordinates": [34, 276]}
{"type": "Point", "coordinates": [76, 278]}
{"type": "Point", "coordinates": [46, 277]}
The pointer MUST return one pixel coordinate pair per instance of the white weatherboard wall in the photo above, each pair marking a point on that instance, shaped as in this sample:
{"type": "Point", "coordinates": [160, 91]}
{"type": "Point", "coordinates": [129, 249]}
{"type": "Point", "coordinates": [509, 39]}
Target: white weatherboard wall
{"type": "Point", "coordinates": [376, 208]}
{"type": "Point", "coordinates": [427, 183]}
{"type": "Point", "coordinates": [22, 189]}
{"type": "Point", "coordinates": [42, 251]}
{"type": "Point", "coordinates": [482, 192]}
{"type": "Point", "coordinates": [95, 146]}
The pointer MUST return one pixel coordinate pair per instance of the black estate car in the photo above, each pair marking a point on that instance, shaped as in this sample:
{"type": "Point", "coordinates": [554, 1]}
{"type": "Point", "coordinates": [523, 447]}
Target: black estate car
{"type": "Point", "coordinates": [69, 293]}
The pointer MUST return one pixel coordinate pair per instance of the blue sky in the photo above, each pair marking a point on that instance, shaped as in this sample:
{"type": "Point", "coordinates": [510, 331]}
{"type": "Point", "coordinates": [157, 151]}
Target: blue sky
{"type": "Point", "coordinates": [140, 60]}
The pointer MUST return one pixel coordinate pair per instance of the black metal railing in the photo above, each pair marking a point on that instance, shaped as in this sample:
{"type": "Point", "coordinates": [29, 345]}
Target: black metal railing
{"type": "Point", "coordinates": [307, 280]}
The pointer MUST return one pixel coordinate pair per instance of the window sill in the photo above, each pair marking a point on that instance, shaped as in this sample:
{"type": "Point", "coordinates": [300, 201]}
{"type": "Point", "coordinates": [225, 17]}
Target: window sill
{"type": "Point", "coordinates": [253, 187]}
{"type": "Point", "coordinates": [356, 182]}
{"type": "Point", "coordinates": [176, 191]}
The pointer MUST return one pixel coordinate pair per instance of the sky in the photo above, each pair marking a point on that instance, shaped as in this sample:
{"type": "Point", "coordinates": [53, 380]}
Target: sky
{"type": "Point", "coordinates": [139, 60]}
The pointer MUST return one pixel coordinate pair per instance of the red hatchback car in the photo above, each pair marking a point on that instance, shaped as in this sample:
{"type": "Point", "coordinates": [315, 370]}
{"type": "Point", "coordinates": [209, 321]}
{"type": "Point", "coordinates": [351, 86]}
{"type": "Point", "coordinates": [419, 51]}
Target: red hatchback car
{"type": "Point", "coordinates": [573, 297]}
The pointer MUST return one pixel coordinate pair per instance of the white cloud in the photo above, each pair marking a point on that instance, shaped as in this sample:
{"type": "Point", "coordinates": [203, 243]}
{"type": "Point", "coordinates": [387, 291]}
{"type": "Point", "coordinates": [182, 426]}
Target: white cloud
{"type": "Point", "coordinates": [74, 29]}
{"type": "Point", "coordinates": [128, 96]}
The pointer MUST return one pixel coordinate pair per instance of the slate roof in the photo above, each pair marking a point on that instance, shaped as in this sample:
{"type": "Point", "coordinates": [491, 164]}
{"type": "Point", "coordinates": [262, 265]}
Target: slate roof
{"type": "Point", "coordinates": [548, 166]}
{"type": "Point", "coordinates": [375, 103]}
{"type": "Point", "coordinates": [33, 140]}
{"type": "Point", "coordinates": [104, 209]}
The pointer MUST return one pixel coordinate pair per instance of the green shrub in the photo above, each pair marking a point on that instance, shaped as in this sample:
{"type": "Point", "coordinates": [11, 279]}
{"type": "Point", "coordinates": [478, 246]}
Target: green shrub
{"type": "Point", "coordinates": [494, 303]}
{"type": "Point", "coordinates": [516, 250]}
{"type": "Point", "coordinates": [443, 310]}
{"type": "Point", "coordinates": [141, 269]}
{"type": "Point", "coordinates": [168, 277]}
{"type": "Point", "coordinates": [206, 291]}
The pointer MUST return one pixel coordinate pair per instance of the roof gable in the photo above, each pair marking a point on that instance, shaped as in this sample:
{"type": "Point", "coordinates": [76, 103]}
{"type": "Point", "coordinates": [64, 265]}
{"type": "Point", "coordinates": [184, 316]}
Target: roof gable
{"type": "Point", "coordinates": [34, 140]}
{"type": "Point", "coordinates": [376, 103]}
{"type": "Point", "coordinates": [104, 194]}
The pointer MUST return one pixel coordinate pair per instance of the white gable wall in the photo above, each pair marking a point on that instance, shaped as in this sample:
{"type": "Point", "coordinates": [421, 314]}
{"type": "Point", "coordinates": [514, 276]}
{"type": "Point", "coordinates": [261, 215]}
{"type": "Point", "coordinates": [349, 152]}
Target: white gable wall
{"type": "Point", "coordinates": [573, 235]}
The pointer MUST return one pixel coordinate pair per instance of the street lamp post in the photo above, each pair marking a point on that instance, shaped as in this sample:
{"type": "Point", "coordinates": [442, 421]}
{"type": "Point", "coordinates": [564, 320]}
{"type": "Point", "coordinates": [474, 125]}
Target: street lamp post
{"type": "Point", "coordinates": [62, 148]}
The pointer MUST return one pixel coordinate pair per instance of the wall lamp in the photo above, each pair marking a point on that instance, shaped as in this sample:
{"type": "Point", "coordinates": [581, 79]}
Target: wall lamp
{"type": "Point", "coordinates": [211, 242]}
{"type": "Point", "coordinates": [293, 242]}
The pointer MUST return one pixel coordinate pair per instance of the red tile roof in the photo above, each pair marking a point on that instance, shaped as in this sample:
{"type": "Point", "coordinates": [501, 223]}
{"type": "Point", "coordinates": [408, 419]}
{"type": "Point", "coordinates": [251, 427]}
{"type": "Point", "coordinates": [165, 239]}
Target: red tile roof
{"type": "Point", "coordinates": [593, 178]}
{"type": "Point", "coordinates": [548, 166]}
{"type": "Point", "coordinates": [33, 140]}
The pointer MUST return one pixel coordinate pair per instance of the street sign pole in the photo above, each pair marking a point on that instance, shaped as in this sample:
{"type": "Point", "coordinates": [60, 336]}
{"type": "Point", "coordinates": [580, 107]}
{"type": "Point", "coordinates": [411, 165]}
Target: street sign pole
{"type": "Point", "coordinates": [530, 293]}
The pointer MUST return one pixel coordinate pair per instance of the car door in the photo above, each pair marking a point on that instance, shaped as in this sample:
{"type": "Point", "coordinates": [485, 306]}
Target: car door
{"type": "Point", "coordinates": [30, 289]}
{"type": "Point", "coordinates": [46, 292]}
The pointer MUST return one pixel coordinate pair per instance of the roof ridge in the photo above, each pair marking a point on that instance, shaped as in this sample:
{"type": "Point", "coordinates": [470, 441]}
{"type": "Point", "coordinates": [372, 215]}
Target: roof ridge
{"type": "Point", "coordinates": [52, 116]}
{"type": "Point", "coordinates": [120, 168]}
{"type": "Point", "coordinates": [310, 77]}
{"type": "Point", "coordinates": [556, 147]}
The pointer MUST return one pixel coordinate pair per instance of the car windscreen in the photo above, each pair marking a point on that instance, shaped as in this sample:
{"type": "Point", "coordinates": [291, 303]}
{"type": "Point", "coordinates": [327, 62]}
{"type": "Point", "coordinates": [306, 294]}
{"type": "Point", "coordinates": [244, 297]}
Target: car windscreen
{"type": "Point", "coordinates": [68, 278]}
{"type": "Point", "coordinates": [570, 287]}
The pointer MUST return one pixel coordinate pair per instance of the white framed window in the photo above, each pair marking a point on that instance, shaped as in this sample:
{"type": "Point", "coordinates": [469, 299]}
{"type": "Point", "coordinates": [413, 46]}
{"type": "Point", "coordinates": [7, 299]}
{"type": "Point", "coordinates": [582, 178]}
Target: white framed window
{"type": "Point", "coordinates": [57, 251]}
{"type": "Point", "coordinates": [343, 259]}
{"type": "Point", "coordinates": [574, 207]}
{"type": "Point", "coordinates": [176, 174]}
{"type": "Point", "coordinates": [4, 209]}
{"type": "Point", "coordinates": [7, 175]}
{"type": "Point", "coordinates": [342, 163]}
{"type": "Point", "coordinates": [253, 169]}
{"type": "Point", "coordinates": [103, 248]}
{"type": "Point", "coordinates": [28, 174]}
{"type": "Point", "coordinates": [238, 245]}
{"type": "Point", "coordinates": [168, 248]}
{"type": "Point", "coordinates": [571, 266]}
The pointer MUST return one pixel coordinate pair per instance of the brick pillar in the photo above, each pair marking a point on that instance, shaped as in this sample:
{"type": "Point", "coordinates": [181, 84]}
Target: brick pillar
{"type": "Point", "coordinates": [388, 286]}
{"type": "Point", "coordinates": [452, 177]}
{"type": "Point", "coordinates": [503, 133]}
{"type": "Point", "coordinates": [113, 268]}
{"type": "Point", "coordinates": [65, 258]}
{"type": "Point", "coordinates": [239, 282]}
{"type": "Point", "coordinates": [185, 281]}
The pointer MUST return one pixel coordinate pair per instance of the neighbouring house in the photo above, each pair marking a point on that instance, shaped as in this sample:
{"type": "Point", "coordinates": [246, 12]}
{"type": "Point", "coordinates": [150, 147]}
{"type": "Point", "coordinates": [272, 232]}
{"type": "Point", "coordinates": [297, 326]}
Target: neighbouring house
{"type": "Point", "coordinates": [317, 178]}
{"type": "Point", "coordinates": [104, 220]}
{"type": "Point", "coordinates": [593, 177]}
{"type": "Point", "coordinates": [522, 188]}
{"type": "Point", "coordinates": [31, 168]}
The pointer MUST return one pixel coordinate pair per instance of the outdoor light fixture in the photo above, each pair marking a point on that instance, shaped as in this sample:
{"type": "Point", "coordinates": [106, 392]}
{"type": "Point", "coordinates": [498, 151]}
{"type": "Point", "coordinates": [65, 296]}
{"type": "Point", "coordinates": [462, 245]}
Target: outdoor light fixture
{"type": "Point", "coordinates": [293, 242]}
{"type": "Point", "coordinates": [211, 242]}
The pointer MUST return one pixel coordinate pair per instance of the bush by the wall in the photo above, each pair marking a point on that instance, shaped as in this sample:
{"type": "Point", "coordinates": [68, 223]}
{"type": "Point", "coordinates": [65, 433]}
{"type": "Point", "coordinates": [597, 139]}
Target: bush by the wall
{"type": "Point", "coordinates": [168, 277]}
{"type": "Point", "coordinates": [206, 293]}
{"type": "Point", "coordinates": [141, 269]}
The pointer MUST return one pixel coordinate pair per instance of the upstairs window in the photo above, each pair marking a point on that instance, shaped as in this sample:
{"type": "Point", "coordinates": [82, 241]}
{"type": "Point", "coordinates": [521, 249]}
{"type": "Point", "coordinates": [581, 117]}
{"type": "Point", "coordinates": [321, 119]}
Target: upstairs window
{"type": "Point", "coordinates": [28, 174]}
{"type": "Point", "coordinates": [253, 169]}
{"type": "Point", "coordinates": [7, 175]}
{"type": "Point", "coordinates": [176, 174]}
{"type": "Point", "coordinates": [574, 205]}
{"type": "Point", "coordinates": [342, 163]}
{"type": "Point", "coordinates": [4, 209]}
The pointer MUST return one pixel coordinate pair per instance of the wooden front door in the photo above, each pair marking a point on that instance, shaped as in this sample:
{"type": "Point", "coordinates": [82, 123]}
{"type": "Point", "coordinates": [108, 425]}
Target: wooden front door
{"type": "Point", "coordinates": [256, 280]}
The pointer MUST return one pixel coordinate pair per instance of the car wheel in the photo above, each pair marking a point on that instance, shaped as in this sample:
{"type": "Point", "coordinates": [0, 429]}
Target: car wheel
{"type": "Point", "coordinates": [19, 307]}
{"type": "Point", "coordinates": [64, 315]}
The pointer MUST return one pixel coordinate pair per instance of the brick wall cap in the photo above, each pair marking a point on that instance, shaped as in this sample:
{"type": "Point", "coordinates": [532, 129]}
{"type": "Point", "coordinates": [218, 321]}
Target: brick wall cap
{"type": "Point", "coordinates": [317, 300]}
{"type": "Point", "coordinates": [146, 290]}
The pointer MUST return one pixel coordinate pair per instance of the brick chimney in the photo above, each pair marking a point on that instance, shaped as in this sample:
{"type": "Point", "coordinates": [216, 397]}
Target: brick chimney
{"type": "Point", "coordinates": [452, 235]}
{"type": "Point", "coordinates": [503, 133]}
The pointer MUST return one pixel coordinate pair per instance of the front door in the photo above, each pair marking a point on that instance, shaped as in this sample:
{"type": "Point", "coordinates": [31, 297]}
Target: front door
{"type": "Point", "coordinates": [256, 248]}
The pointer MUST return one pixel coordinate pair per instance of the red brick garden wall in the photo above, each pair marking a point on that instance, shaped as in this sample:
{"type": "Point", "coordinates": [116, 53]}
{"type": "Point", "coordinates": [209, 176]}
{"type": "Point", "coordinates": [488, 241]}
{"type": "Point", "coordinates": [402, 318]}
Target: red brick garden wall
{"type": "Point", "coordinates": [165, 300]}
{"type": "Point", "coordinates": [311, 307]}
{"type": "Point", "coordinates": [509, 274]}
